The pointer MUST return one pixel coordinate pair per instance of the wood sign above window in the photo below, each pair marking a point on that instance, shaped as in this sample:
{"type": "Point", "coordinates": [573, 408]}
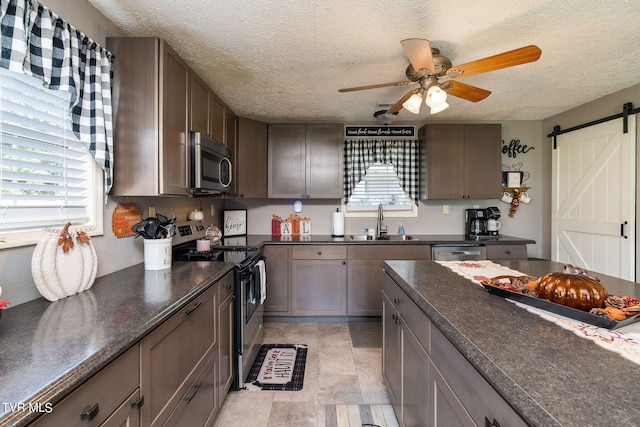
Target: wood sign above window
{"type": "Point", "coordinates": [379, 131]}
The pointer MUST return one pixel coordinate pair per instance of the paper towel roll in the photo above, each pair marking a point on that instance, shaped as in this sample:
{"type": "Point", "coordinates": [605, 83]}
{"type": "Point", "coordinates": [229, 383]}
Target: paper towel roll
{"type": "Point", "coordinates": [337, 224]}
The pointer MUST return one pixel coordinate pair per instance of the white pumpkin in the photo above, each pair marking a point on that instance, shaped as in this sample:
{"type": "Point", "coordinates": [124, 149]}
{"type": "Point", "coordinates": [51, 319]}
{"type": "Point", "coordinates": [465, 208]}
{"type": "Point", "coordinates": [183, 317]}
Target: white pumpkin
{"type": "Point", "coordinates": [62, 265]}
{"type": "Point", "coordinates": [195, 215]}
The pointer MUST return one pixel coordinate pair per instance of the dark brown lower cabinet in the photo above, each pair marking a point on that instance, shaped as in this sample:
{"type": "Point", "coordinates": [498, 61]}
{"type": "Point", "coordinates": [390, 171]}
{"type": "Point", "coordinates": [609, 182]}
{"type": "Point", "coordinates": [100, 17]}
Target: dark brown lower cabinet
{"type": "Point", "coordinates": [277, 302]}
{"type": "Point", "coordinates": [106, 399]}
{"type": "Point", "coordinates": [430, 382]}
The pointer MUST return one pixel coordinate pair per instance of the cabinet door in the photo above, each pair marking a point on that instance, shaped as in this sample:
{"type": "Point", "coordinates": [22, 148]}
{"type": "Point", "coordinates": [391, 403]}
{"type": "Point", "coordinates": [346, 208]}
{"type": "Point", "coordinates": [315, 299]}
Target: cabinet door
{"type": "Point", "coordinates": [277, 302]}
{"type": "Point", "coordinates": [364, 294]}
{"type": "Point", "coordinates": [483, 161]}
{"type": "Point", "coordinates": [225, 334]}
{"type": "Point", "coordinates": [251, 159]}
{"type": "Point", "coordinates": [199, 105]}
{"type": "Point", "coordinates": [392, 353]}
{"type": "Point", "coordinates": [446, 409]}
{"type": "Point", "coordinates": [416, 393]}
{"type": "Point", "coordinates": [174, 116]}
{"type": "Point", "coordinates": [324, 158]}
{"type": "Point", "coordinates": [127, 415]}
{"type": "Point", "coordinates": [319, 288]}
{"type": "Point", "coordinates": [286, 164]}
{"type": "Point", "coordinates": [445, 161]}
{"type": "Point", "coordinates": [217, 111]}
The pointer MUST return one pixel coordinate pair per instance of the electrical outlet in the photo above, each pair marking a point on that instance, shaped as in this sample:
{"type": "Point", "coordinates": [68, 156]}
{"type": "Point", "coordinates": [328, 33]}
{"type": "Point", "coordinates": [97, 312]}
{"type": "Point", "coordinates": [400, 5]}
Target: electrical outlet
{"type": "Point", "coordinates": [445, 209]}
{"type": "Point", "coordinates": [213, 210]}
{"type": "Point", "coordinates": [152, 211]}
{"type": "Point", "coordinates": [476, 206]}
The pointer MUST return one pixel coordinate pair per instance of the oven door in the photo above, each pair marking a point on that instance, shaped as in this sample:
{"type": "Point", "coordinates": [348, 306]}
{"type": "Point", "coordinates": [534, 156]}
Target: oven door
{"type": "Point", "coordinates": [249, 332]}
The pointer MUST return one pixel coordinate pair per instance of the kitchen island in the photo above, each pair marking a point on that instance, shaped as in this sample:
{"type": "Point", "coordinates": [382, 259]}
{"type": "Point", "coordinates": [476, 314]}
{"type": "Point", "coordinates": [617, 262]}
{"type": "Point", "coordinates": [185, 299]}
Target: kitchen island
{"type": "Point", "coordinates": [547, 375]}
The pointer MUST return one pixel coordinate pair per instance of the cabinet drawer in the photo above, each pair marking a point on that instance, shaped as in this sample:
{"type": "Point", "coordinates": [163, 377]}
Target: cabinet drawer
{"type": "Point", "coordinates": [380, 252]}
{"type": "Point", "coordinates": [225, 287]}
{"type": "Point", "coordinates": [411, 314]}
{"type": "Point", "coordinates": [478, 397]}
{"type": "Point", "coordinates": [104, 393]}
{"type": "Point", "coordinates": [506, 251]}
{"type": "Point", "coordinates": [319, 252]}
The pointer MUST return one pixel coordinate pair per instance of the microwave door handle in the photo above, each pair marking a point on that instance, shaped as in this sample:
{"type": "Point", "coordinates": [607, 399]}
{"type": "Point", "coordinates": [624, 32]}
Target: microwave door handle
{"type": "Point", "coordinates": [228, 183]}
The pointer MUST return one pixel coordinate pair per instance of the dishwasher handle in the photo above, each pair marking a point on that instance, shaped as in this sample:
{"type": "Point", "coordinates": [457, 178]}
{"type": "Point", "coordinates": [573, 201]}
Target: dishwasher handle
{"type": "Point", "coordinates": [458, 253]}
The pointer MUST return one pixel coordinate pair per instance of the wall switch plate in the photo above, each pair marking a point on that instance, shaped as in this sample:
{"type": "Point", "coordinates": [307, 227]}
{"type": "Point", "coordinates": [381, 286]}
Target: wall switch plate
{"type": "Point", "coordinates": [476, 206]}
{"type": "Point", "coordinates": [152, 211]}
{"type": "Point", "coordinates": [445, 209]}
{"type": "Point", "coordinates": [213, 210]}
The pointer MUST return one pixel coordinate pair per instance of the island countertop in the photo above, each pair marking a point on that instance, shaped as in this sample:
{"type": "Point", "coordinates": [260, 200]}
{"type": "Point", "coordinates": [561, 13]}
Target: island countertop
{"type": "Point", "coordinates": [549, 375]}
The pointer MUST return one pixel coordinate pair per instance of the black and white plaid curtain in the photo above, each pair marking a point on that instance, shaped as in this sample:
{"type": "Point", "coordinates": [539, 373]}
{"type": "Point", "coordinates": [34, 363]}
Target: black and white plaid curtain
{"type": "Point", "coordinates": [402, 154]}
{"type": "Point", "coordinates": [35, 41]}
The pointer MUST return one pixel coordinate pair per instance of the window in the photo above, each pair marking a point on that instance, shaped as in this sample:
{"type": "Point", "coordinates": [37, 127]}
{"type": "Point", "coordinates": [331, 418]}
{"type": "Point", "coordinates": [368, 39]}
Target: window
{"type": "Point", "coordinates": [378, 171]}
{"type": "Point", "coordinates": [380, 185]}
{"type": "Point", "coordinates": [47, 177]}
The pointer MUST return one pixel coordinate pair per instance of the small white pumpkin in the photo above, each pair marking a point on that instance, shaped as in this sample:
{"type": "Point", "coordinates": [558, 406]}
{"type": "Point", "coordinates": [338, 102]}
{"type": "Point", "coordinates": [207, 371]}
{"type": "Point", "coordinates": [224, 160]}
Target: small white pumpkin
{"type": "Point", "coordinates": [63, 264]}
{"type": "Point", "coordinates": [195, 215]}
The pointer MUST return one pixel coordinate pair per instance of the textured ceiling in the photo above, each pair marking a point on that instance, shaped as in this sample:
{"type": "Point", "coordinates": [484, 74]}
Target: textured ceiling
{"type": "Point", "coordinates": [284, 60]}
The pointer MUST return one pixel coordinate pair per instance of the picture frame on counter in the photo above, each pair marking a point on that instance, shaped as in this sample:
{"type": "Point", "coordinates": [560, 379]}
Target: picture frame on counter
{"type": "Point", "coordinates": [234, 222]}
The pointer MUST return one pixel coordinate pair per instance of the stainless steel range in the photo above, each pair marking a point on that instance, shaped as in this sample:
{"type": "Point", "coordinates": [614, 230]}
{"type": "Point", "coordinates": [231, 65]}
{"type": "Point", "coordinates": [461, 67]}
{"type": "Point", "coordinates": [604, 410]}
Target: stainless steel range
{"type": "Point", "coordinates": [249, 287]}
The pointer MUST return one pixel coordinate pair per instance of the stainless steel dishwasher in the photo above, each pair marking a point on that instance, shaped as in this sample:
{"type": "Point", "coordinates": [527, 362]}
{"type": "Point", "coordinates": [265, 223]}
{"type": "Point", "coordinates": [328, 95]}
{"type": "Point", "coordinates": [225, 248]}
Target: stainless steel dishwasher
{"type": "Point", "coordinates": [469, 252]}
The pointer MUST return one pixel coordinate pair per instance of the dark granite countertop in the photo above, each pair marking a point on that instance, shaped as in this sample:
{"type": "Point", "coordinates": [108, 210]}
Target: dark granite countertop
{"type": "Point", "coordinates": [548, 374]}
{"type": "Point", "coordinates": [50, 348]}
{"type": "Point", "coordinates": [417, 239]}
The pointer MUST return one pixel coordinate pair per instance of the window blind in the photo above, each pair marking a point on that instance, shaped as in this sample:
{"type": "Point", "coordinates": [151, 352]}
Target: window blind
{"type": "Point", "coordinates": [380, 185]}
{"type": "Point", "coordinates": [45, 172]}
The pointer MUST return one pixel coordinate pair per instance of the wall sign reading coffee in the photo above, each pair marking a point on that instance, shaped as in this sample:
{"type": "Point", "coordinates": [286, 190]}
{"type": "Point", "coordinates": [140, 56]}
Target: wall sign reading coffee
{"type": "Point", "coordinates": [515, 147]}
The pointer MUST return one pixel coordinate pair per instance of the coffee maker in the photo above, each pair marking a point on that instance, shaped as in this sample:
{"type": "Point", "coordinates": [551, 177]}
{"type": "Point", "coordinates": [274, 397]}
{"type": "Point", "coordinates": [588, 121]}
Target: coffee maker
{"type": "Point", "coordinates": [476, 222]}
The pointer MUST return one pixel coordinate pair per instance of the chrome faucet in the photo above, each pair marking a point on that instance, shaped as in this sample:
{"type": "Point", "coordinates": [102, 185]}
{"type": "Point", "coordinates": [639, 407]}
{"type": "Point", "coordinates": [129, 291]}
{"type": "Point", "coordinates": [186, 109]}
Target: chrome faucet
{"type": "Point", "coordinates": [379, 229]}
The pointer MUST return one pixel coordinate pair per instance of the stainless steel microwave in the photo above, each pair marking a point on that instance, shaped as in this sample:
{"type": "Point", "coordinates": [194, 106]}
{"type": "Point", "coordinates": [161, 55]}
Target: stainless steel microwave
{"type": "Point", "coordinates": [210, 166]}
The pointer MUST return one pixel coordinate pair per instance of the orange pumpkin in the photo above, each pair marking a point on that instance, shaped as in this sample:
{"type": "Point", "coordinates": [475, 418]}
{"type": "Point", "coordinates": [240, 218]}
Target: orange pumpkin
{"type": "Point", "coordinates": [572, 287]}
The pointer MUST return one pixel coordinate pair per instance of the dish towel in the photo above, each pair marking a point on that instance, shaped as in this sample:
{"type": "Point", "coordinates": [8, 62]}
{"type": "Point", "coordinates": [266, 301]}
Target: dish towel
{"type": "Point", "coordinates": [263, 280]}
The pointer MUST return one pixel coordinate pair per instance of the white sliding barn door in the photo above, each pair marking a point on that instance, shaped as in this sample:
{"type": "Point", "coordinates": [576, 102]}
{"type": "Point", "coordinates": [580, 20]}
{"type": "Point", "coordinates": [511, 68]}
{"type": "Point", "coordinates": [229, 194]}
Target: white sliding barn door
{"type": "Point", "coordinates": [593, 195]}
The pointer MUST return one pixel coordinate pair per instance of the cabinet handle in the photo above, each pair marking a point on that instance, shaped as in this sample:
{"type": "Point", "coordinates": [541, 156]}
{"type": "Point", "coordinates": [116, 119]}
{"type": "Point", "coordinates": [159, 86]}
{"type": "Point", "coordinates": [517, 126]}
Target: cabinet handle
{"type": "Point", "coordinates": [194, 308]}
{"type": "Point", "coordinates": [623, 226]}
{"type": "Point", "coordinates": [396, 300]}
{"type": "Point", "coordinates": [137, 404]}
{"type": "Point", "coordinates": [319, 253]}
{"type": "Point", "coordinates": [507, 252]}
{"type": "Point", "coordinates": [90, 412]}
{"type": "Point", "coordinates": [488, 423]}
{"type": "Point", "coordinates": [192, 393]}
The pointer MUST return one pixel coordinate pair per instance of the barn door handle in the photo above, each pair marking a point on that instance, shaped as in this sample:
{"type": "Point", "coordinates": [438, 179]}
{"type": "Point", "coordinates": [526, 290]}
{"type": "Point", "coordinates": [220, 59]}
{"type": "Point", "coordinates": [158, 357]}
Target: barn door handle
{"type": "Point", "coordinates": [623, 227]}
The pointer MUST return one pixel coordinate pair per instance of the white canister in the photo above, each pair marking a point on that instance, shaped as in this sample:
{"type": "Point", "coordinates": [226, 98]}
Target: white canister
{"type": "Point", "coordinates": [157, 254]}
{"type": "Point", "coordinates": [337, 224]}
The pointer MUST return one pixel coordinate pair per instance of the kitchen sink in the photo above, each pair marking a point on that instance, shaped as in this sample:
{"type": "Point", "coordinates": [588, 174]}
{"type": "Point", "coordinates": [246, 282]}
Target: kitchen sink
{"type": "Point", "coordinates": [392, 237]}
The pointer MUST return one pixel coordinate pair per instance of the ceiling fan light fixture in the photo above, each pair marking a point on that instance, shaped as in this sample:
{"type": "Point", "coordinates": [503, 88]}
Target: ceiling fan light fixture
{"type": "Point", "coordinates": [413, 103]}
{"type": "Point", "coordinates": [435, 97]}
{"type": "Point", "coordinates": [439, 108]}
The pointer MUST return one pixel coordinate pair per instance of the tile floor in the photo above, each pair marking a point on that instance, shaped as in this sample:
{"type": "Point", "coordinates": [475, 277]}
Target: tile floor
{"type": "Point", "coordinates": [343, 384]}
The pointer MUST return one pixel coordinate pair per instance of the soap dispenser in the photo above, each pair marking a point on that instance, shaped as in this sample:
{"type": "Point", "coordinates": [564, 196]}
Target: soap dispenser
{"type": "Point", "coordinates": [401, 229]}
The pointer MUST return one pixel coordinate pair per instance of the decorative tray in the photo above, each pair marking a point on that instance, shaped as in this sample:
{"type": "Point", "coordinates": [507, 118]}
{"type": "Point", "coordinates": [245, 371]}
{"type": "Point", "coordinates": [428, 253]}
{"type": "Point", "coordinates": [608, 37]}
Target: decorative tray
{"type": "Point", "coordinates": [563, 310]}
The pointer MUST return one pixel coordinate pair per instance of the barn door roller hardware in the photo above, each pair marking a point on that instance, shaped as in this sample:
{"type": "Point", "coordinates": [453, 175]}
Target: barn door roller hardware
{"type": "Point", "coordinates": [627, 109]}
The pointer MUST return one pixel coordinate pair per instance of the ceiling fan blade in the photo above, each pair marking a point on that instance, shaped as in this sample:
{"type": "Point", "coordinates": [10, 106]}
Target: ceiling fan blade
{"type": "Point", "coordinates": [497, 62]}
{"type": "Point", "coordinates": [468, 92]}
{"type": "Point", "coordinates": [351, 89]}
{"type": "Point", "coordinates": [398, 105]}
{"type": "Point", "coordinates": [419, 53]}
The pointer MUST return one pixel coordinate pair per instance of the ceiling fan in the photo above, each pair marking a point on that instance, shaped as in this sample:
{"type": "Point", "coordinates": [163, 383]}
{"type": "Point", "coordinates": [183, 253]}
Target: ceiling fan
{"type": "Point", "coordinates": [437, 76]}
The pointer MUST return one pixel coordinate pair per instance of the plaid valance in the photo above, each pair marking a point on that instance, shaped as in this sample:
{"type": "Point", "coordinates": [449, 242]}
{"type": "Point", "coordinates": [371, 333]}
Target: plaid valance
{"type": "Point", "coordinates": [37, 42]}
{"type": "Point", "coordinates": [402, 154]}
